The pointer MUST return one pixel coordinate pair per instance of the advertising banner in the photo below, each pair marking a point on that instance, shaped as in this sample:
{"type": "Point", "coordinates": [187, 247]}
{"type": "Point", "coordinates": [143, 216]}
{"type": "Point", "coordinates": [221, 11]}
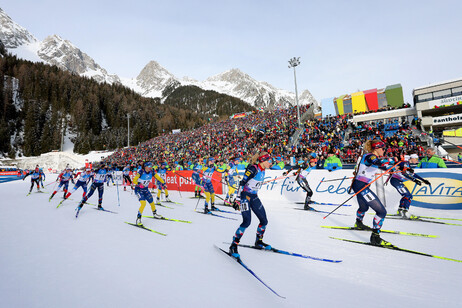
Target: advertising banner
{"type": "Point", "coordinates": [445, 191]}
{"type": "Point", "coordinates": [178, 180]}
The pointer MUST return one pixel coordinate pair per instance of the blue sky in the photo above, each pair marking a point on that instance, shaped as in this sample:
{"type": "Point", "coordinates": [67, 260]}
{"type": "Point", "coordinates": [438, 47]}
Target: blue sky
{"type": "Point", "coordinates": [344, 46]}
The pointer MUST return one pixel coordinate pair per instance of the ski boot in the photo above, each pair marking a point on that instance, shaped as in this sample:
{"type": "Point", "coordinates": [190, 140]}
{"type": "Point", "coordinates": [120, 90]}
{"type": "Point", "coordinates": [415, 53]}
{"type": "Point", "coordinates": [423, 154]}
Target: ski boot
{"type": "Point", "coordinates": [158, 201]}
{"type": "Point", "coordinates": [376, 240]}
{"type": "Point", "coordinates": [261, 245]}
{"type": "Point", "coordinates": [51, 197]}
{"type": "Point", "coordinates": [403, 212]}
{"type": "Point", "coordinates": [138, 220]}
{"type": "Point", "coordinates": [155, 215]}
{"type": "Point", "coordinates": [213, 207]}
{"type": "Point", "coordinates": [206, 210]}
{"type": "Point", "coordinates": [79, 207]}
{"type": "Point", "coordinates": [100, 207]}
{"type": "Point", "coordinates": [167, 199]}
{"type": "Point", "coordinates": [233, 250]}
{"type": "Point", "coordinates": [307, 206]}
{"type": "Point", "coordinates": [360, 226]}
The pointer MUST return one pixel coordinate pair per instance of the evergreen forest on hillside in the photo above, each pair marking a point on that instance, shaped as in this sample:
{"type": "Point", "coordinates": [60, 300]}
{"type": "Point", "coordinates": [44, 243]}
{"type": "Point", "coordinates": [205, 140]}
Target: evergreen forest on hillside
{"type": "Point", "coordinates": [37, 100]}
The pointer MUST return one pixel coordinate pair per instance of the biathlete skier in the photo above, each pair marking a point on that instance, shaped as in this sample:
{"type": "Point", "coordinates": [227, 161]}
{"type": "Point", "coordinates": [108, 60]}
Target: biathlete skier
{"type": "Point", "coordinates": [367, 169]}
{"type": "Point", "coordinates": [35, 177]}
{"type": "Point", "coordinates": [209, 191]}
{"type": "Point", "coordinates": [99, 177]}
{"type": "Point", "coordinates": [64, 177]}
{"type": "Point", "coordinates": [247, 200]}
{"type": "Point", "coordinates": [302, 173]}
{"type": "Point", "coordinates": [126, 177]}
{"type": "Point", "coordinates": [42, 178]}
{"type": "Point", "coordinates": [197, 178]}
{"type": "Point", "coordinates": [142, 180]}
{"type": "Point", "coordinates": [110, 171]}
{"type": "Point", "coordinates": [230, 179]}
{"type": "Point", "coordinates": [84, 178]}
{"type": "Point", "coordinates": [161, 179]}
{"type": "Point", "coordinates": [405, 173]}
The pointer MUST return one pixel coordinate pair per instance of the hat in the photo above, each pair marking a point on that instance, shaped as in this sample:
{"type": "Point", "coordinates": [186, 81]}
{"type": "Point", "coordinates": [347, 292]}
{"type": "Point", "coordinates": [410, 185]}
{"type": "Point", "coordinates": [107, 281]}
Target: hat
{"type": "Point", "coordinates": [148, 164]}
{"type": "Point", "coordinates": [407, 157]}
{"type": "Point", "coordinates": [377, 144]}
{"type": "Point", "coordinates": [313, 160]}
{"type": "Point", "coordinates": [414, 156]}
{"type": "Point", "coordinates": [264, 158]}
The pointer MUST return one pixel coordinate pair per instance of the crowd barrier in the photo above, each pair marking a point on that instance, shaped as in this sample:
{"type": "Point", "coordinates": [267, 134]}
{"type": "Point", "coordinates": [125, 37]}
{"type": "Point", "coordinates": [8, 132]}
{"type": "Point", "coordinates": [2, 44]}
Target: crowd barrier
{"type": "Point", "coordinates": [445, 191]}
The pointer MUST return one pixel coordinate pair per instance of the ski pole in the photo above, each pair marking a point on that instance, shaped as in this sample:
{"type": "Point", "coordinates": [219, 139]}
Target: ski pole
{"type": "Point", "coordinates": [277, 179]}
{"type": "Point", "coordinates": [332, 180]}
{"type": "Point", "coordinates": [386, 172]}
{"type": "Point", "coordinates": [117, 186]}
{"type": "Point", "coordinates": [177, 185]}
{"type": "Point", "coordinates": [452, 161]}
{"type": "Point", "coordinates": [452, 144]}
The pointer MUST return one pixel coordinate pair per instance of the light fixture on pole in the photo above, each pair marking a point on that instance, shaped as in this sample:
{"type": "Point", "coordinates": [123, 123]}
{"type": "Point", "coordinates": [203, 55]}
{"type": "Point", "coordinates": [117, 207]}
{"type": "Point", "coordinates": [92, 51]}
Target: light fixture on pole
{"type": "Point", "coordinates": [293, 63]}
{"type": "Point", "coordinates": [128, 135]}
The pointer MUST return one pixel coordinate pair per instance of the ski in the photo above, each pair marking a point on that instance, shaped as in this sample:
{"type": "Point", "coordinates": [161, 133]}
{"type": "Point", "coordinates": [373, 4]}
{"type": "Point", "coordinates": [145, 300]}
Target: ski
{"type": "Point", "coordinates": [238, 260]}
{"type": "Point", "coordinates": [104, 210]}
{"type": "Point", "coordinates": [216, 215]}
{"type": "Point", "coordinates": [289, 253]}
{"type": "Point", "coordinates": [169, 219]}
{"type": "Point", "coordinates": [179, 203]}
{"type": "Point", "coordinates": [422, 220]}
{"type": "Point", "coordinates": [393, 247]}
{"type": "Point", "coordinates": [144, 228]}
{"type": "Point", "coordinates": [160, 204]}
{"type": "Point", "coordinates": [323, 203]}
{"type": "Point", "coordinates": [384, 231]}
{"type": "Point", "coordinates": [223, 211]}
{"type": "Point", "coordinates": [60, 203]}
{"type": "Point", "coordinates": [416, 217]}
{"type": "Point", "coordinates": [316, 211]}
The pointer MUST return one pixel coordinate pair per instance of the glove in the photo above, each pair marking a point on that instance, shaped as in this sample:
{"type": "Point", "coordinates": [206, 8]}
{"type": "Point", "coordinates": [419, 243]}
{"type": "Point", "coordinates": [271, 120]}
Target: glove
{"type": "Point", "coordinates": [284, 173]}
{"type": "Point", "coordinates": [426, 181]}
{"type": "Point", "coordinates": [418, 182]}
{"type": "Point", "coordinates": [330, 170]}
{"type": "Point", "coordinates": [237, 204]}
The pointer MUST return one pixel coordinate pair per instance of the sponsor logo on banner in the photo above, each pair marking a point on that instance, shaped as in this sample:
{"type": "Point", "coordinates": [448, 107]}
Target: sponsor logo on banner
{"type": "Point", "coordinates": [445, 191]}
{"type": "Point", "coordinates": [456, 118]}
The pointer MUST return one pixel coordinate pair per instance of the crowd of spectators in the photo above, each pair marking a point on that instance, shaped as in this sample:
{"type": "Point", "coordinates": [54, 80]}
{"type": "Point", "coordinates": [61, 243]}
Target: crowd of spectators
{"type": "Point", "coordinates": [241, 137]}
{"type": "Point", "coordinates": [387, 108]}
{"type": "Point", "coordinates": [271, 131]}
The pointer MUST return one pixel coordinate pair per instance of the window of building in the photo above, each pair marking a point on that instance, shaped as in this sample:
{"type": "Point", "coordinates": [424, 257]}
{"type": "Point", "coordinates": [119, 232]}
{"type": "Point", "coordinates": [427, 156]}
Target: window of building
{"type": "Point", "coordinates": [456, 91]}
{"type": "Point", "coordinates": [424, 97]}
{"type": "Point", "coordinates": [442, 94]}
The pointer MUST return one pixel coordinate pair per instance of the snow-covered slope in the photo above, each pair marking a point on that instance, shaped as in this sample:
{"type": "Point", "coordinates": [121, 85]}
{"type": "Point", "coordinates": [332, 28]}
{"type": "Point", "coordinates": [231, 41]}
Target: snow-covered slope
{"type": "Point", "coordinates": [51, 259]}
{"type": "Point", "coordinates": [13, 35]}
{"type": "Point", "coordinates": [52, 50]}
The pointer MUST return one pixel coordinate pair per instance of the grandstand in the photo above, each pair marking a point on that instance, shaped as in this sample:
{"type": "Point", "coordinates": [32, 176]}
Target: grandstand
{"type": "Point", "coordinates": [379, 114]}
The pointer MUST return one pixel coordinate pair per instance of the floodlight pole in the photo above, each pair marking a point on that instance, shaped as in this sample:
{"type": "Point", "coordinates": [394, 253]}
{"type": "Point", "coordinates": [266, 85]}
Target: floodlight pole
{"type": "Point", "coordinates": [128, 135]}
{"type": "Point", "coordinates": [293, 63]}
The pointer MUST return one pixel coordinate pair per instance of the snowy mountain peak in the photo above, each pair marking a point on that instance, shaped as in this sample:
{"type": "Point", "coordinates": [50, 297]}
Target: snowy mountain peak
{"type": "Point", "coordinates": [13, 35]}
{"type": "Point", "coordinates": [233, 75]}
{"type": "Point", "coordinates": [62, 53]}
{"type": "Point", "coordinates": [153, 79]}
